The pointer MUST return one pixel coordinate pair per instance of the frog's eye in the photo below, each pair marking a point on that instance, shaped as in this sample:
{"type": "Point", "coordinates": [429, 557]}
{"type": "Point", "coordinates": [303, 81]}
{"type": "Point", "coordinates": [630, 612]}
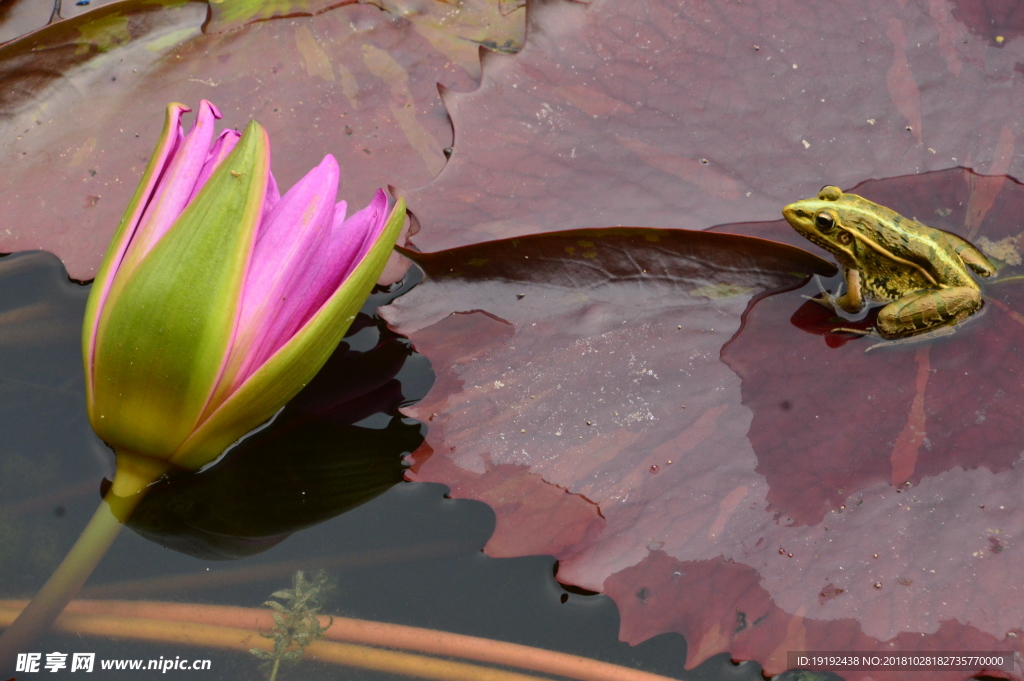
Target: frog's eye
{"type": "Point", "coordinates": [825, 221]}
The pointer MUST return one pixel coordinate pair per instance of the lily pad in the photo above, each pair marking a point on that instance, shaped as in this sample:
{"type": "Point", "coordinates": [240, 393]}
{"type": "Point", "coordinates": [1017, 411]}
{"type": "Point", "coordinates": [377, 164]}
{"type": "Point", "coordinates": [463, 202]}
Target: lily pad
{"type": "Point", "coordinates": [84, 98]}
{"type": "Point", "coordinates": [587, 362]}
{"type": "Point", "coordinates": [672, 114]}
{"type": "Point", "coordinates": [19, 17]}
{"type": "Point", "coordinates": [699, 441]}
{"type": "Point", "coordinates": [933, 406]}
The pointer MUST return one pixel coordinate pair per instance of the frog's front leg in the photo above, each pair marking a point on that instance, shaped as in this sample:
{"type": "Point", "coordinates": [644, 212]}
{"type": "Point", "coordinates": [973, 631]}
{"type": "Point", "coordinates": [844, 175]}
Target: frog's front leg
{"type": "Point", "coordinates": [852, 301]}
{"type": "Point", "coordinates": [923, 311]}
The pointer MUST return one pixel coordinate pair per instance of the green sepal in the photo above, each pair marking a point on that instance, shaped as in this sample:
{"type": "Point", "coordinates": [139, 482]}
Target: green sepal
{"type": "Point", "coordinates": [296, 363]}
{"type": "Point", "coordinates": [164, 334]}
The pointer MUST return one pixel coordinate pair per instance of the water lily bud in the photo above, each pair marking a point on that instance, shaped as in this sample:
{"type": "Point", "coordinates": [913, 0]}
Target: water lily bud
{"type": "Point", "coordinates": [219, 299]}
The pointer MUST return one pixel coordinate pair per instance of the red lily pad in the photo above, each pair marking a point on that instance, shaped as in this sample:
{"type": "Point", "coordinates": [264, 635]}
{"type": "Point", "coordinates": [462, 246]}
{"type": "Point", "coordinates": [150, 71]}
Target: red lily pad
{"type": "Point", "coordinates": [673, 114]}
{"type": "Point", "coordinates": [746, 475]}
{"type": "Point", "coordinates": [587, 361]}
{"type": "Point", "coordinates": [84, 98]}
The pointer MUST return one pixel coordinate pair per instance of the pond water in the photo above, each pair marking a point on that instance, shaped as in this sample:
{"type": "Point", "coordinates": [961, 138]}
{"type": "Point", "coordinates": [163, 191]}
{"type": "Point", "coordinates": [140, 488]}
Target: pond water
{"type": "Point", "coordinates": [318, 489]}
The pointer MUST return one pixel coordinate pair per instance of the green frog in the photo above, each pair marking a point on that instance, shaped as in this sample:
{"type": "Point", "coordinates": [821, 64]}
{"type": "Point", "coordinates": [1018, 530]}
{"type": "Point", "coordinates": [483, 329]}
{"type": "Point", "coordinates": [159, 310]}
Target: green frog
{"type": "Point", "coordinates": [921, 272]}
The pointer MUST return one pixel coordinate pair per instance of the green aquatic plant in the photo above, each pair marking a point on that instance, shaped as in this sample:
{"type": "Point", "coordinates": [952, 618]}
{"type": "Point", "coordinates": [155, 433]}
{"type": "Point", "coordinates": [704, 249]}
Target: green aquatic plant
{"type": "Point", "coordinates": [296, 620]}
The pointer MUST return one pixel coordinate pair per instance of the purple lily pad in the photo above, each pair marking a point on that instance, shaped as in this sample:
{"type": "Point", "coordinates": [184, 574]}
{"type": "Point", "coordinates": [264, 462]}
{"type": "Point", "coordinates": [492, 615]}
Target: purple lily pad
{"type": "Point", "coordinates": [19, 17]}
{"type": "Point", "coordinates": [694, 114]}
{"type": "Point", "coordinates": [587, 362]}
{"type": "Point", "coordinates": [809, 495]}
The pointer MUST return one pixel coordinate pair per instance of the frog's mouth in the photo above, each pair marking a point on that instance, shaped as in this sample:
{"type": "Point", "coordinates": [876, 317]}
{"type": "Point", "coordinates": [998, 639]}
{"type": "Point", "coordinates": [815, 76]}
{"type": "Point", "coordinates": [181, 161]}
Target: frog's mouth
{"type": "Point", "coordinates": [803, 222]}
{"type": "Point", "coordinates": [820, 242]}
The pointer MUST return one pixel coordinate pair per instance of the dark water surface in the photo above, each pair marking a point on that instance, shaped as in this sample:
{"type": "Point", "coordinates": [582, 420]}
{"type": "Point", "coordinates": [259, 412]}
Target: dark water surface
{"type": "Point", "coordinates": [320, 488]}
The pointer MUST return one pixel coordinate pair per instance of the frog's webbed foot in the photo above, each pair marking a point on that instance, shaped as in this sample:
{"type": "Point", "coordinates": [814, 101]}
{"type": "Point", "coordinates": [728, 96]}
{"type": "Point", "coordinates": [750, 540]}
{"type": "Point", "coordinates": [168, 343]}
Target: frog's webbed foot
{"type": "Point", "coordinates": [889, 343]}
{"type": "Point", "coordinates": [939, 332]}
{"type": "Point", "coordinates": [859, 332]}
{"type": "Point", "coordinates": [824, 298]}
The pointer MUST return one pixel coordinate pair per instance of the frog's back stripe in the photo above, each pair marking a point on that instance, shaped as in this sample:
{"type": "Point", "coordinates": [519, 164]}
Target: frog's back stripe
{"type": "Point", "coordinates": [868, 214]}
{"type": "Point", "coordinates": [895, 258]}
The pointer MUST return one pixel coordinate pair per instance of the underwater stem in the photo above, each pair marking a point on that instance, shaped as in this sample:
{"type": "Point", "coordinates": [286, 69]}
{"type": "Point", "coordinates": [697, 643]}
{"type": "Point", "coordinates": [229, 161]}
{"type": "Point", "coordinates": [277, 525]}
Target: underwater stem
{"type": "Point", "coordinates": [230, 638]}
{"type": "Point", "coordinates": [158, 621]}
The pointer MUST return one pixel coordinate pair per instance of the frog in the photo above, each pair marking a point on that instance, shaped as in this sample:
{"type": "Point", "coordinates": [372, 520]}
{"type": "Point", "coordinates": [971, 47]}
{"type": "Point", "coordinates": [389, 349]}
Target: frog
{"type": "Point", "coordinates": [922, 273]}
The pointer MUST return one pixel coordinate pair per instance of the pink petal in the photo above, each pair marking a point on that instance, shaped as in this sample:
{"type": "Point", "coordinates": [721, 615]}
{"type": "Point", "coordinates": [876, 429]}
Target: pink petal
{"type": "Point", "coordinates": [276, 299]}
{"type": "Point", "coordinates": [221, 148]}
{"type": "Point", "coordinates": [351, 239]}
{"type": "Point", "coordinates": [349, 242]}
{"type": "Point", "coordinates": [164, 154]}
{"type": "Point", "coordinates": [328, 266]}
{"type": "Point", "coordinates": [174, 189]}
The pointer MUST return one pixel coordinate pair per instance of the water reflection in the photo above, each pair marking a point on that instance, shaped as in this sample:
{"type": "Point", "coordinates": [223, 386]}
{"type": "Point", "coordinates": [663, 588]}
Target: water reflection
{"type": "Point", "coordinates": [42, 418]}
{"type": "Point", "coordinates": [338, 444]}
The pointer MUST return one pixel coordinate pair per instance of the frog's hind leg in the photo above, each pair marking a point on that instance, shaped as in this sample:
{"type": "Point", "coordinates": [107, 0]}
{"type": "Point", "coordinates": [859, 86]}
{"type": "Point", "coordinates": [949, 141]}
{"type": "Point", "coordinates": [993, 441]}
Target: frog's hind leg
{"type": "Point", "coordinates": [971, 256]}
{"type": "Point", "coordinates": [922, 311]}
